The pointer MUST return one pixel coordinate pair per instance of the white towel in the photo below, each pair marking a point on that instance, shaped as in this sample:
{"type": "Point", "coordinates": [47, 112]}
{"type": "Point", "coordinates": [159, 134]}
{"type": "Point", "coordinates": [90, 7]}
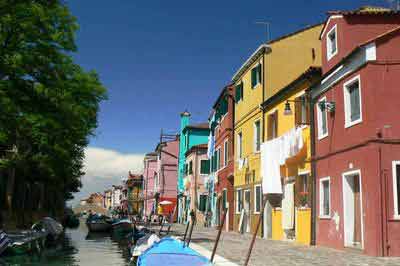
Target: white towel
{"type": "Point", "coordinates": [270, 166]}
{"type": "Point", "coordinates": [288, 207]}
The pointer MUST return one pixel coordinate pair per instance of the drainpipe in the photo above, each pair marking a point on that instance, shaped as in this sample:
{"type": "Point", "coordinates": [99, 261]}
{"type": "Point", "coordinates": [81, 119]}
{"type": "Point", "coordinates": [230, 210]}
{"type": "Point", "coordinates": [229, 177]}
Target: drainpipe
{"type": "Point", "coordinates": [262, 136]}
{"type": "Point", "coordinates": [313, 170]}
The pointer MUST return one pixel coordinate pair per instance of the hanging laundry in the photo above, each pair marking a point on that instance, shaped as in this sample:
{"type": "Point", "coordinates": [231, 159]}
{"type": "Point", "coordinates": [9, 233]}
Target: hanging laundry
{"type": "Point", "coordinates": [270, 166]}
{"type": "Point", "coordinates": [288, 207]}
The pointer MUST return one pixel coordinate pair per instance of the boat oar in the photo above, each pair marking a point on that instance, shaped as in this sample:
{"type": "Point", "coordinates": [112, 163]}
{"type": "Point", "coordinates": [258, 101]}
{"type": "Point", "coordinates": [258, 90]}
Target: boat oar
{"type": "Point", "coordinates": [255, 234]}
{"type": "Point", "coordinates": [219, 235]}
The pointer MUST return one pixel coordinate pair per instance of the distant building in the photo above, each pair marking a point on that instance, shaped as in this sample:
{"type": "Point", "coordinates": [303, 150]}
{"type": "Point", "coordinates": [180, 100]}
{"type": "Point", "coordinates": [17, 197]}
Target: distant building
{"type": "Point", "coordinates": [108, 199]}
{"type": "Point", "coordinates": [116, 196]}
{"type": "Point", "coordinates": [96, 199]}
{"type": "Point", "coordinates": [83, 202]}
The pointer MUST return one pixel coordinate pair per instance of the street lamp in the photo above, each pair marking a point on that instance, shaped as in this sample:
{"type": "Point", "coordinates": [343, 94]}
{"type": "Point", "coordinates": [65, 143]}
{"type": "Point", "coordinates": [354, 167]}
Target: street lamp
{"type": "Point", "coordinates": [324, 105]}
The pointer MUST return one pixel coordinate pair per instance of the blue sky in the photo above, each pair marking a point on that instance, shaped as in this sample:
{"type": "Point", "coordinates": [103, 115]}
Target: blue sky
{"type": "Point", "coordinates": [158, 57]}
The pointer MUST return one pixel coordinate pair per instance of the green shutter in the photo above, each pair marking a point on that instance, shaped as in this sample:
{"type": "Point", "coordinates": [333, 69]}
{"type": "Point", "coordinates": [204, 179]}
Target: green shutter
{"type": "Point", "coordinates": [202, 203]}
{"type": "Point", "coordinates": [205, 167]}
{"type": "Point", "coordinates": [237, 93]}
{"type": "Point", "coordinates": [254, 77]}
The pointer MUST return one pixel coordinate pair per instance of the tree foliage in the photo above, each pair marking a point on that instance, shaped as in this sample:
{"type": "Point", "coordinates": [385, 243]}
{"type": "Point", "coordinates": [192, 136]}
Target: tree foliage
{"type": "Point", "coordinates": [48, 104]}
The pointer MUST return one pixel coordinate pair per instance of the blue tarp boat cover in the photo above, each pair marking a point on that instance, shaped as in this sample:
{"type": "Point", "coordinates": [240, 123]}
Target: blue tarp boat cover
{"type": "Point", "coordinates": [170, 252]}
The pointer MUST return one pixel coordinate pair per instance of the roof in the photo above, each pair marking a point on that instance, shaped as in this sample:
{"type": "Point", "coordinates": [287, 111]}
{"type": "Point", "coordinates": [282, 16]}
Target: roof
{"type": "Point", "coordinates": [381, 36]}
{"type": "Point", "coordinates": [260, 50]}
{"type": "Point", "coordinates": [366, 10]}
{"type": "Point", "coordinates": [150, 154]}
{"type": "Point", "coordinates": [221, 94]}
{"type": "Point", "coordinates": [294, 33]}
{"type": "Point", "coordinates": [197, 126]}
{"type": "Point", "coordinates": [197, 147]}
{"type": "Point", "coordinates": [282, 94]}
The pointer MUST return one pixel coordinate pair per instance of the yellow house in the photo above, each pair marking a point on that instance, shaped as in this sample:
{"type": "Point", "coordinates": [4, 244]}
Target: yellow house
{"type": "Point", "coordinates": [270, 68]}
{"type": "Point", "coordinates": [285, 112]}
{"type": "Point", "coordinates": [292, 67]}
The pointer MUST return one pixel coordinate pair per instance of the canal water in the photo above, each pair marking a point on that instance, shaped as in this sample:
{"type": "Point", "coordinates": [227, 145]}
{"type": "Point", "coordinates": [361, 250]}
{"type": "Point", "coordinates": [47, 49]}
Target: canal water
{"type": "Point", "coordinates": [78, 248]}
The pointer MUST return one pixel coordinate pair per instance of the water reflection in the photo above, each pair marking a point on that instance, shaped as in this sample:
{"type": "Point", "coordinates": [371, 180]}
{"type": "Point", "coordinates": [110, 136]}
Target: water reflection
{"type": "Point", "coordinates": [78, 248]}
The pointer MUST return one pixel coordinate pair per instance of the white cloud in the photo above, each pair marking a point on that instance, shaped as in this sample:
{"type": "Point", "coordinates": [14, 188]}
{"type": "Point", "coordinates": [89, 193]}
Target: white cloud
{"type": "Point", "coordinates": [104, 168]}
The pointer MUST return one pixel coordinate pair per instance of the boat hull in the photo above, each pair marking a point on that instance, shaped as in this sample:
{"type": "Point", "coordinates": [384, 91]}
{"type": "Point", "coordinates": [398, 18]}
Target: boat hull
{"type": "Point", "coordinates": [98, 226]}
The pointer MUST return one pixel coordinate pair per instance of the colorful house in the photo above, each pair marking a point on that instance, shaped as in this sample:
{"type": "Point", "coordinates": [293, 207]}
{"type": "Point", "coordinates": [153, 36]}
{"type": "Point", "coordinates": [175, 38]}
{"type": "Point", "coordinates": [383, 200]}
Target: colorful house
{"type": "Point", "coordinates": [149, 174]}
{"type": "Point", "coordinates": [167, 173]}
{"type": "Point", "coordinates": [197, 169]}
{"type": "Point", "coordinates": [190, 135]}
{"type": "Point", "coordinates": [223, 157]}
{"type": "Point", "coordinates": [281, 61]}
{"type": "Point", "coordinates": [357, 132]}
{"type": "Point", "coordinates": [287, 118]}
{"type": "Point", "coordinates": [134, 193]}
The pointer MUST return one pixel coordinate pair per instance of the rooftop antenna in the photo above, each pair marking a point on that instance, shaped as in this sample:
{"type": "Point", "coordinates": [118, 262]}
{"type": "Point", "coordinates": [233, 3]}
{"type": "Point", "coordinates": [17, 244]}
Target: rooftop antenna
{"type": "Point", "coordinates": [267, 25]}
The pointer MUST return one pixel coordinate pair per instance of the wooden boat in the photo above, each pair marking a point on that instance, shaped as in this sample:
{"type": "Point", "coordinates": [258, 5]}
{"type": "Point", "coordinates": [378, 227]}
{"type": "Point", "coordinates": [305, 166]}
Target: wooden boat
{"type": "Point", "coordinates": [171, 252]}
{"type": "Point", "coordinates": [122, 227]}
{"type": "Point", "coordinates": [98, 223]}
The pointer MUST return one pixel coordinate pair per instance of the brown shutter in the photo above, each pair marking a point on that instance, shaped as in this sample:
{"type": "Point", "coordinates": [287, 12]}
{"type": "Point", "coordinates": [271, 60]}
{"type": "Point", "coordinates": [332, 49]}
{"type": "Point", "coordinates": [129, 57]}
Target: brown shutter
{"type": "Point", "coordinates": [307, 112]}
{"type": "Point", "coordinates": [276, 123]}
{"type": "Point", "coordinates": [269, 127]}
{"type": "Point", "coordinates": [297, 111]}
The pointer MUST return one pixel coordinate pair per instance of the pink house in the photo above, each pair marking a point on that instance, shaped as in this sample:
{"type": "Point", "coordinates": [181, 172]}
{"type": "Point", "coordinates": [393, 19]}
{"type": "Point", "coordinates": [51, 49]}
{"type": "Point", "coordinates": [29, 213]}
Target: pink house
{"type": "Point", "coordinates": [149, 174]}
{"type": "Point", "coordinates": [167, 172]}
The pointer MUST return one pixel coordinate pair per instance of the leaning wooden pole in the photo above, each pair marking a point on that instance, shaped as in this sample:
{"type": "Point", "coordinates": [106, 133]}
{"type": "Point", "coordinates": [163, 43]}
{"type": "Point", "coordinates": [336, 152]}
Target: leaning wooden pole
{"type": "Point", "coordinates": [255, 235]}
{"type": "Point", "coordinates": [219, 235]}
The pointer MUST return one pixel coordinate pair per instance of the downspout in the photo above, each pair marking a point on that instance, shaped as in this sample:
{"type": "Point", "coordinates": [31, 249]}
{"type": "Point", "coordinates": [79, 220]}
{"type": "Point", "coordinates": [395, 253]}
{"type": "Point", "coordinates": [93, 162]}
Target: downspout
{"type": "Point", "coordinates": [262, 134]}
{"type": "Point", "coordinates": [313, 170]}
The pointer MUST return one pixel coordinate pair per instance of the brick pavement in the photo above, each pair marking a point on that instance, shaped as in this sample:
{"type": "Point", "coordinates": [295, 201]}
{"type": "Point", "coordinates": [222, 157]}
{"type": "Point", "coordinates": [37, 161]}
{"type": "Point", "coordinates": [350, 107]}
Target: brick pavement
{"type": "Point", "coordinates": [234, 247]}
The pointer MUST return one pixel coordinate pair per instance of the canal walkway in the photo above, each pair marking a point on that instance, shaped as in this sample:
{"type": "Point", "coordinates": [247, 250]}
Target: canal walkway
{"type": "Point", "coordinates": [233, 248]}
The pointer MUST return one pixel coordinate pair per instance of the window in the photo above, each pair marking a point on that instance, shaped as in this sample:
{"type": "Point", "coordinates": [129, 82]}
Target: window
{"type": "Point", "coordinates": [239, 92]}
{"type": "Point", "coordinates": [322, 118]}
{"type": "Point", "coordinates": [185, 169]}
{"type": "Point", "coordinates": [324, 198]}
{"type": "Point", "coordinates": [202, 203]}
{"type": "Point", "coordinates": [396, 188]}
{"type": "Point", "coordinates": [303, 183]}
{"type": "Point", "coordinates": [204, 167]}
{"type": "Point", "coordinates": [226, 152]}
{"type": "Point", "coordinates": [257, 136]}
{"type": "Point", "coordinates": [218, 159]}
{"type": "Point", "coordinates": [301, 113]}
{"type": "Point", "coordinates": [331, 43]}
{"type": "Point", "coordinates": [272, 125]}
{"type": "Point", "coordinates": [239, 200]}
{"type": "Point", "coordinates": [240, 145]}
{"type": "Point", "coordinates": [190, 168]}
{"type": "Point", "coordinates": [256, 76]}
{"type": "Point", "coordinates": [352, 102]}
{"type": "Point", "coordinates": [257, 199]}
{"type": "Point", "coordinates": [224, 199]}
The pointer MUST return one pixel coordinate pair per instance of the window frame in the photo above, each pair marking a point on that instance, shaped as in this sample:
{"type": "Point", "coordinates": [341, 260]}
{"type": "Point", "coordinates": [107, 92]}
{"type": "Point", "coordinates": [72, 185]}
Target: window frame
{"type": "Point", "coordinates": [201, 160]}
{"type": "Point", "coordinates": [321, 198]}
{"type": "Point", "coordinates": [226, 152]}
{"type": "Point", "coordinates": [218, 163]}
{"type": "Point", "coordinates": [255, 198]}
{"type": "Point", "coordinates": [396, 208]}
{"type": "Point", "coordinates": [319, 119]}
{"type": "Point", "coordinates": [329, 54]}
{"type": "Point", "coordinates": [255, 135]}
{"type": "Point", "coordinates": [347, 102]}
{"type": "Point", "coordinates": [258, 71]}
{"type": "Point", "coordinates": [237, 203]}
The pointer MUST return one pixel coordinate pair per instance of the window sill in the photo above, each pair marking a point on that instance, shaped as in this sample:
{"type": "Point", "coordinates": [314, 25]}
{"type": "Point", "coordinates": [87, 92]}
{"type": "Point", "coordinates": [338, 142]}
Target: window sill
{"type": "Point", "coordinates": [329, 56]}
{"type": "Point", "coordinates": [325, 217]}
{"type": "Point", "coordinates": [323, 137]}
{"type": "Point", "coordinates": [396, 217]}
{"type": "Point", "coordinates": [350, 124]}
{"type": "Point", "coordinates": [257, 85]}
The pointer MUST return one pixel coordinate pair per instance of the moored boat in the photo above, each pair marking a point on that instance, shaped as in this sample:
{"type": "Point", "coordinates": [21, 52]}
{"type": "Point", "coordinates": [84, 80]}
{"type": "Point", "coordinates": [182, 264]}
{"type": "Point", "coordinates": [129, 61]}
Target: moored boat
{"type": "Point", "coordinates": [122, 227]}
{"type": "Point", "coordinates": [171, 252]}
{"type": "Point", "coordinates": [4, 241]}
{"type": "Point", "coordinates": [98, 223]}
{"type": "Point", "coordinates": [24, 242]}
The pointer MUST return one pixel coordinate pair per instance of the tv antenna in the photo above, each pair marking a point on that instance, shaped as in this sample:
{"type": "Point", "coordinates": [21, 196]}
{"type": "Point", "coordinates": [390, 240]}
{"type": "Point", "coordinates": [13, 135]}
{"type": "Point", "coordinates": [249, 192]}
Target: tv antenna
{"type": "Point", "coordinates": [267, 25]}
{"type": "Point", "coordinates": [395, 4]}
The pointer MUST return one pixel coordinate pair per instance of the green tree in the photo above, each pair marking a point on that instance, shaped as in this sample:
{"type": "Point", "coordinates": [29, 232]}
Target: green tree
{"type": "Point", "coordinates": [48, 104]}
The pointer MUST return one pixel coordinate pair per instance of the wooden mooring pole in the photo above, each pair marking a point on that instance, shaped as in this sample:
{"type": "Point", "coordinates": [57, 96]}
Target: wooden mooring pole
{"type": "Point", "coordinates": [253, 240]}
{"type": "Point", "coordinates": [219, 235]}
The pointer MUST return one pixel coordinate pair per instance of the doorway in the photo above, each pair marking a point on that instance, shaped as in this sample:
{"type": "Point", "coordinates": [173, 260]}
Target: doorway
{"type": "Point", "coordinates": [352, 208]}
{"type": "Point", "coordinates": [246, 207]}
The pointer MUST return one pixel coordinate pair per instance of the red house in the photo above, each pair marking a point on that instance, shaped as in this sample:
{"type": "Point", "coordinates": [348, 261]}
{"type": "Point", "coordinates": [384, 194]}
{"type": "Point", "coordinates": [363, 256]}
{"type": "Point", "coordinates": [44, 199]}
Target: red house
{"type": "Point", "coordinates": [223, 133]}
{"type": "Point", "coordinates": [356, 113]}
